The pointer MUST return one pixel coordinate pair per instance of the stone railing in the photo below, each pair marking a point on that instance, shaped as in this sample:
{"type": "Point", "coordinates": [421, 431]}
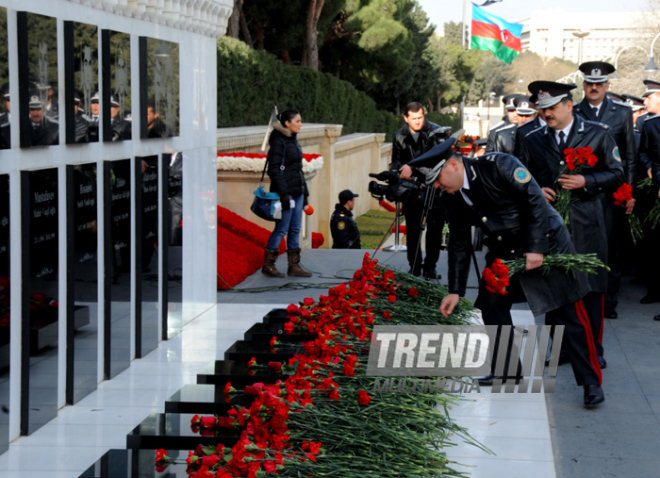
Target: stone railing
{"type": "Point", "coordinates": [347, 161]}
{"type": "Point", "coordinates": [206, 17]}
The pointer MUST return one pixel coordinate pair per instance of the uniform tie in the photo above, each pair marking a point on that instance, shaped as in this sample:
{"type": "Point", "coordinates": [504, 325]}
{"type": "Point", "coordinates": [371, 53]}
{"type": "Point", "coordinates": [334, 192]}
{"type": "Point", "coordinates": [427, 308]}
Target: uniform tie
{"type": "Point", "coordinates": [562, 142]}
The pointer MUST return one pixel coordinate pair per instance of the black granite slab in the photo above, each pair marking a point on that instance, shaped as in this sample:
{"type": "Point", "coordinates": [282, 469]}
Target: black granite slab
{"type": "Point", "coordinates": [276, 316]}
{"type": "Point", "coordinates": [236, 372]}
{"type": "Point", "coordinates": [260, 332]}
{"type": "Point", "coordinates": [261, 351]}
{"type": "Point", "coordinates": [203, 399]}
{"type": "Point", "coordinates": [173, 431]}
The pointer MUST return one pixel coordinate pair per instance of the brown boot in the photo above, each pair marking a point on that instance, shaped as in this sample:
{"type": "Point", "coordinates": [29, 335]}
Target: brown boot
{"type": "Point", "coordinates": [269, 268]}
{"type": "Point", "coordinates": [295, 269]}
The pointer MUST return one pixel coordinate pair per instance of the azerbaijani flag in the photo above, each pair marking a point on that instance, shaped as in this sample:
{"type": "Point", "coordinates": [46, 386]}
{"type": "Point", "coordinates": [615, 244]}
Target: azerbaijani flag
{"type": "Point", "coordinates": [495, 34]}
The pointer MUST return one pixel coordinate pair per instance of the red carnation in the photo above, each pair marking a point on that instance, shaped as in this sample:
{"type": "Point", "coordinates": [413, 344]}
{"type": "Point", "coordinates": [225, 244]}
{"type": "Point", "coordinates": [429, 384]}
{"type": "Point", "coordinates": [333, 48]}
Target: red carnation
{"type": "Point", "coordinates": [496, 277]}
{"type": "Point", "coordinates": [276, 366]}
{"type": "Point", "coordinates": [292, 309]}
{"type": "Point", "coordinates": [208, 421]}
{"type": "Point", "coordinates": [623, 194]}
{"type": "Point", "coordinates": [413, 292]}
{"type": "Point", "coordinates": [363, 398]}
{"type": "Point", "coordinates": [391, 298]}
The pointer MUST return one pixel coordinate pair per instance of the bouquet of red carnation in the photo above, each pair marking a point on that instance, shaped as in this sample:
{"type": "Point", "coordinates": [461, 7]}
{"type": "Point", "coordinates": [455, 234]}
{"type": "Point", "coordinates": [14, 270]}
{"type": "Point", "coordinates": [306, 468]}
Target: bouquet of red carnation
{"type": "Point", "coordinates": [621, 197]}
{"type": "Point", "coordinates": [576, 160]}
{"type": "Point", "coordinates": [497, 277]}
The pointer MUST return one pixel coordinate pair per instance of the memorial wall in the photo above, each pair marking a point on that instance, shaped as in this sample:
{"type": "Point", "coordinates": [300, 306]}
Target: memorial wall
{"type": "Point", "coordinates": [93, 200]}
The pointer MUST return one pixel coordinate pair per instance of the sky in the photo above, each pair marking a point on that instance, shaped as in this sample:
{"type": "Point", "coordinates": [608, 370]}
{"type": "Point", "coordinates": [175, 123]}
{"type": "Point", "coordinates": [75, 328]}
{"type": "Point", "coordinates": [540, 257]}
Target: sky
{"type": "Point", "coordinates": [441, 11]}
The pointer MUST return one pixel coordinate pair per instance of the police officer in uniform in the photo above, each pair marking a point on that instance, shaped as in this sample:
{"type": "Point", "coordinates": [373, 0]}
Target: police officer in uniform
{"type": "Point", "coordinates": [527, 127]}
{"type": "Point", "coordinates": [545, 158]}
{"type": "Point", "coordinates": [44, 131]}
{"type": "Point", "coordinates": [596, 106]}
{"type": "Point", "coordinates": [93, 118]}
{"type": "Point", "coordinates": [649, 151]}
{"type": "Point", "coordinates": [121, 129]}
{"type": "Point", "coordinates": [504, 139]}
{"type": "Point", "coordinates": [415, 138]}
{"type": "Point", "coordinates": [497, 194]}
{"type": "Point", "coordinates": [345, 233]}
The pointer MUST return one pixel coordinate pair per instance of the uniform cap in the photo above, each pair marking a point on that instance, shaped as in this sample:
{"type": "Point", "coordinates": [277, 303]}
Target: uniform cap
{"type": "Point", "coordinates": [508, 101]}
{"type": "Point", "coordinates": [652, 86]}
{"type": "Point", "coordinates": [635, 102]}
{"type": "Point", "coordinates": [549, 93]}
{"type": "Point", "coordinates": [346, 195]}
{"type": "Point", "coordinates": [596, 71]}
{"type": "Point", "coordinates": [524, 106]}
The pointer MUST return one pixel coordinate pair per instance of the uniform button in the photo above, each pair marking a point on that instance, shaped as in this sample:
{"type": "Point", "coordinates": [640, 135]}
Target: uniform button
{"type": "Point", "coordinates": [499, 238]}
{"type": "Point", "coordinates": [561, 163]}
{"type": "Point", "coordinates": [484, 219]}
{"type": "Point", "coordinates": [512, 251]}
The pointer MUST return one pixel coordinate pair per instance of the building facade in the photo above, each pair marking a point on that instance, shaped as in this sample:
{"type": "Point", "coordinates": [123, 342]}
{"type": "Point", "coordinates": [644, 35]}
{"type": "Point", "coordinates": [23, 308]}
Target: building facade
{"type": "Point", "coordinates": [107, 190]}
{"type": "Point", "coordinates": [550, 33]}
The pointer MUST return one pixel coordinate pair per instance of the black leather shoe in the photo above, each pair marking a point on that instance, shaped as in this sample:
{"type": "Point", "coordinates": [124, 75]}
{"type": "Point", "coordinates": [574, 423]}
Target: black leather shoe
{"type": "Point", "coordinates": [602, 362]}
{"type": "Point", "coordinates": [431, 274]}
{"type": "Point", "coordinates": [657, 317]}
{"type": "Point", "coordinates": [650, 299]}
{"type": "Point", "coordinates": [611, 314]}
{"type": "Point", "coordinates": [593, 395]}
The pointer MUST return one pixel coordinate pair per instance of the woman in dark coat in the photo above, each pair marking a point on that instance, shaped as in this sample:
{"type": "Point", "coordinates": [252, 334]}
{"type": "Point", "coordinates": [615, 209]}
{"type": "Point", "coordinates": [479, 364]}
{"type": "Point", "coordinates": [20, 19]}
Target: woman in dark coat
{"type": "Point", "coordinates": [286, 179]}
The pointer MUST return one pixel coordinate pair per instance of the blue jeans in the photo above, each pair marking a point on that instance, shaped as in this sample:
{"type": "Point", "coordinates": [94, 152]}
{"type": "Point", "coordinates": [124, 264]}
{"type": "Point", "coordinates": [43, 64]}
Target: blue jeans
{"type": "Point", "coordinates": [288, 226]}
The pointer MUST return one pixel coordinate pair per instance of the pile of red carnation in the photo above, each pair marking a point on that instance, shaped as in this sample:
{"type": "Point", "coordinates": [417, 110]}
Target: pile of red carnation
{"type": "Point", "coordinates": [306, 423]}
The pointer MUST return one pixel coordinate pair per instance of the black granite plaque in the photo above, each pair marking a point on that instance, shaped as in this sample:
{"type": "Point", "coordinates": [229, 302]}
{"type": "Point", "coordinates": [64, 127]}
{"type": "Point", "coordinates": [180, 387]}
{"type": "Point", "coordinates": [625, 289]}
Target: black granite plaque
{"type": "Point", "coordinates": [136, 464]}
{"type": "Point", "coordinates": [4, 312]}
{"type": "Point", "coordinates": [5, 136]}
{"type": "Point", "coordinates": [40, 311]}
{"type": "Point", "coordinates": [118, 266]}
{"type": "Point", "coordinates": [159, 94]}
{"type": "Point", "coordinates": [116, 77]}
{"type": "Point", "coordinates": [173, 244]}
{"type": "Point", "coordinates": [37, 74]}
{"type": "Point", "coordinates": [82, 282]}
{"type": "Point", "coordinates": [81, 51]}
{"type": "Point", "coordinates": [147, 316]}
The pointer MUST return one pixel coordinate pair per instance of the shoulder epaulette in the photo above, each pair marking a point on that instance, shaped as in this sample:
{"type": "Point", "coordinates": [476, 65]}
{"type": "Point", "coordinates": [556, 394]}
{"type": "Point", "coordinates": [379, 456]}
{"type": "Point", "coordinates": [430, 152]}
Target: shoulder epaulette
{"type": "Point", "coordinates": [534, 131]}
{"type": "Point", "coordinates": [621, 103]}
{"type": "Point", "coordinates": [652, 117]}
{"type": "Point", "coordinates": [509, 126]}
{"type": "Point", "coordinates": [596, 123]}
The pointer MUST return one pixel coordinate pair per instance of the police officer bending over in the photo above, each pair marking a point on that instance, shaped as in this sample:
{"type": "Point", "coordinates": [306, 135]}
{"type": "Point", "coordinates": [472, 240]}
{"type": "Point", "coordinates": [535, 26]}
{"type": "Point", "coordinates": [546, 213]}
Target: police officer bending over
{"type": "Point", "coordinates": [498, 194]}
{"type": "Point", "coordinates": [345, 234]}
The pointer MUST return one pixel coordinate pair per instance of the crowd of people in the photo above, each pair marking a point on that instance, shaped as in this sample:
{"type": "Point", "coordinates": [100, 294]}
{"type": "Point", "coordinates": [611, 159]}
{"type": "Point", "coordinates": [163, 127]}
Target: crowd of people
{"type": "Point", "coordinates": [521, 190]}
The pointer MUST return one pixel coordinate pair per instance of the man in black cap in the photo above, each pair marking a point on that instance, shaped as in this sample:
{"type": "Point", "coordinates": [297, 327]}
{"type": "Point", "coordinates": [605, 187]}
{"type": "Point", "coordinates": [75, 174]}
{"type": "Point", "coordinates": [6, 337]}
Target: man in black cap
{"type": "Point", "coordinates": [81, 124]}
{"type": "Point", "coordinates": [93, 118]}
{"type": "Point", "coordinates": [155, 126]}
{"type": "Point", "coordinates": [596, 106]}
{"type": "Point", "coordinates": [497, 194]}
{"type": "Point", "coordinates": [121, 129]}
{"type": "Point", "coordinates": [415, 138]}
{"type": "Point", "coordinates": [536, 121]}
{"type": "Point", "coordinates": [649, 152]}
{"type": "Point", "coordinates": [508, 124]}
{"type": "Point", "coordinates": [43, 130]}
{"type": "Point", "coordinates": [545, 156]}
{"type": "Point", "coordinates": [345, 233]}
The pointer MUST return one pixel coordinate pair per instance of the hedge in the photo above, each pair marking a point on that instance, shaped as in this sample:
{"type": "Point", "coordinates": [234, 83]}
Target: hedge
{"type": "Point", "coordinates": [250, 82]}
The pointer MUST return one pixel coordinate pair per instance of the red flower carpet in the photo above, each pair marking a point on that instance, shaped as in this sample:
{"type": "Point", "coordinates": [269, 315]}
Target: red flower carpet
{"type": "Point", "coordinates": [323, 416]}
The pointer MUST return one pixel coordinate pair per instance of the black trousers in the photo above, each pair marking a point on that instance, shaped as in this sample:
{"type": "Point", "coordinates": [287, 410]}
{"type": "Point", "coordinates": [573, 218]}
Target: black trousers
{"type": "Point", "coordinates": [577, 341]}
{"type": "Point", "coordinates": [594, 303]}
{"type": "Point", "coordinates": [413, 211]}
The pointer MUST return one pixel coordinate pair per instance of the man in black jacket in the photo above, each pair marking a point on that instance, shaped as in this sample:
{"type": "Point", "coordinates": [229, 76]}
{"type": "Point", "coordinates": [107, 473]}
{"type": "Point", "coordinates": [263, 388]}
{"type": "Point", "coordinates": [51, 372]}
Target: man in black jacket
{"type": "Point", "coordinates": [597, 106]}
{"type": "Point", "coordinates": [649, 151]}
{"type": "Point", "coordinates": [345, 233]}
{"type": "Point", "coordinates": [545, 150]}
{"type": "Point", "coordinates": [415, 138]}
{"type": "Point", "coordinates": [497, 194]}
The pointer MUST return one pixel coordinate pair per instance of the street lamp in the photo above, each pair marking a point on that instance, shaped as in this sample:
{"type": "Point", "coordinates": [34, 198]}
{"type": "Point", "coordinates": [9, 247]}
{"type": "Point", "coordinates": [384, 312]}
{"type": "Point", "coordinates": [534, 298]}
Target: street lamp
{"type": "Point", "coordinates": [651, 66]}
{"type": "Point", "coordinates": [616, 59]}
{"type": "Point", "coordinates": [580, 34]}
{"type": "Point", "coordinates": [491, 97]}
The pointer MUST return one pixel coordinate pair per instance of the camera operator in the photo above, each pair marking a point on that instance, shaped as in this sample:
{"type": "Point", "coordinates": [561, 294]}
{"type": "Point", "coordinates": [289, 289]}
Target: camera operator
{"type": "Point", "coordinates": [415, 138]}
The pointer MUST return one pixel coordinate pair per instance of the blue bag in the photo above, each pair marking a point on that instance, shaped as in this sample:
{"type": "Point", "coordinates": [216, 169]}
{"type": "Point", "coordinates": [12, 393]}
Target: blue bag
{"type": "Point", "coordinates": [264, 204]}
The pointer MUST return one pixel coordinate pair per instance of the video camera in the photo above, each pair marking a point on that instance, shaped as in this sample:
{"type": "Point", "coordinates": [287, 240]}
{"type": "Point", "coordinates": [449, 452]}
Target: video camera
{"type": "Point", "coordinates": [396, 189]}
